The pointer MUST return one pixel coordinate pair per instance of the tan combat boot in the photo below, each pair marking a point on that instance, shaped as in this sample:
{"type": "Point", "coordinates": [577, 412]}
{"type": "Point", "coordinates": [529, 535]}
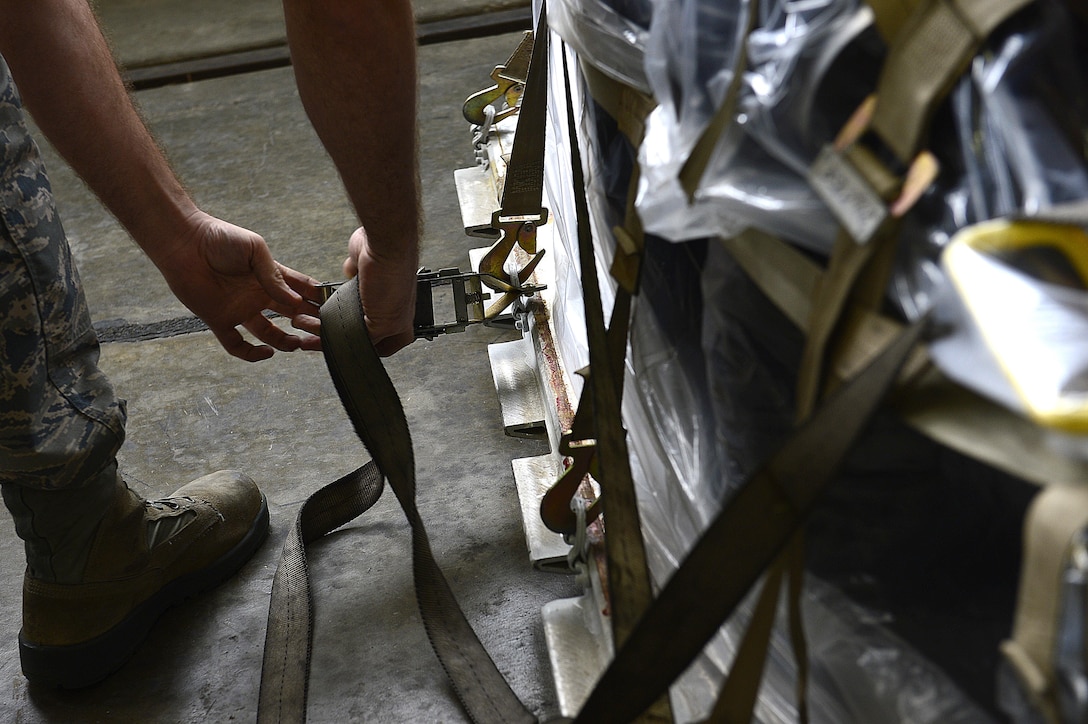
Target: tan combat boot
{"type": "Point", "coordinates": [144, 557]}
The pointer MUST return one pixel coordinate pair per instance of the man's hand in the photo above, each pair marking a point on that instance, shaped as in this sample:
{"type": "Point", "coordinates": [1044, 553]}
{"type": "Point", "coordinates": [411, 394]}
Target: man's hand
{"type": "Point", "coordinates": [387, 288]}
{"type": "Point", "coordinates": [226, 276]}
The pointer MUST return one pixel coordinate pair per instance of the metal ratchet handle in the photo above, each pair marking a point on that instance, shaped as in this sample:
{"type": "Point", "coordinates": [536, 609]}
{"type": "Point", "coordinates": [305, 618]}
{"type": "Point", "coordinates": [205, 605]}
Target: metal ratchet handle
{"type": "Point", "coordinates": [327, 289]}
{"type": "Point", "coordinates": [467, 297]}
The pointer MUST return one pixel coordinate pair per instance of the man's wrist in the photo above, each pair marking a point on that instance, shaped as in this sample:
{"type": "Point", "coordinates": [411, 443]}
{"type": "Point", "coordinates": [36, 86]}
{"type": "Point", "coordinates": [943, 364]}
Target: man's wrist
{"type": "Point", "coordinates": [168, 232]}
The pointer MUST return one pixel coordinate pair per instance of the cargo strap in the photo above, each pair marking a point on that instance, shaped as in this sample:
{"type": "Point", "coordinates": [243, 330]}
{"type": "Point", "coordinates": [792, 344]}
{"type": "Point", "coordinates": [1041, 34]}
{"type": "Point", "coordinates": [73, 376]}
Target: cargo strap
{"type": "Point", "coordinates": [976, 427]}
{"type": "Point", "coordinates": [930, 44]}
{"type": "Point", "coordinates": [1052, 524]}
{"type": "Point", "coordinates": [628, 573]}
{"type": "Point", "coordinates": [747, 535]}
{"type": "Point", "coordinates": [928, 53]}
{"type": "Point", "coordinates": [891, 121]}
{"type": "Point", "coordinates": [629, 108]}
{"type": "Point", "coordinates": [372, 403]}
{"type": "Point", "coordinates": [930, 50]}
{"type": "Point", "coordinates": [930, 403]}
{"type": "Point", "coordinates": [521, 210]}
{"type": "Point", "coordinates": [744, 538]}
{"type": "Point", "coordinates": [737, 697]}
{"type": "Point", "coordinates": [1053, 550]}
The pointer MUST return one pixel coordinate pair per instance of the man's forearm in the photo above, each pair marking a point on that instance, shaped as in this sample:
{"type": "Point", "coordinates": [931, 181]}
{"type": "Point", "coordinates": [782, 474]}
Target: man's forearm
{"type": "Point", "coordinates": [71, 86]}
{"type": "Point", "coordinates": [355, 65]}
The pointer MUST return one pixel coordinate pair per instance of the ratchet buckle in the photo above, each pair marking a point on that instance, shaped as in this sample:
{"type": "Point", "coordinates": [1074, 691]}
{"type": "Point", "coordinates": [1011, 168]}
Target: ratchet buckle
{"type": "Point", "coordinates": [438, 291]}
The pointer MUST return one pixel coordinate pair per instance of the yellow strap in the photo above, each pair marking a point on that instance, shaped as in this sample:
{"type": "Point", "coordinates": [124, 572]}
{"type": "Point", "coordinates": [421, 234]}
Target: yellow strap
{"type": "Point", "coordinates": [929, 402]}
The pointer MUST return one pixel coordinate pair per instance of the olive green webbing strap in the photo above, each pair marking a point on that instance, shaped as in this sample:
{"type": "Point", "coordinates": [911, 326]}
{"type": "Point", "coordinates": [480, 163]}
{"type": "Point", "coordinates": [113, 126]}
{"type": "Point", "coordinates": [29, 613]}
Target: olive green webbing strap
{"type": "Point", "coordinates": [1056, 517]}
{"type": "Point", "coordinates": [523, 188]}
{"type": "Point", "coordinates": [930, 44]}
{"type": "Point", "coordinates": [848, 260]}
{"type": "Point", "coordinates": [738, 695]}
{"type": "Point", "coordinates": [748, 534]}
{"type": "Point", "coordinates": [712, 575]}
{"type": "Point", "coordinates": [285, 671]}
{"type": "Point", "coordinates": [890, 15]}
{"type": "Point", "coordinates": [375, 411]}
{"type": "Point", "coordinates": [628, 573]}
{"type": "Point", "coordinates": [930, 51]}
{"type": "Point", "coordinates": [629, 108]}
{"type": "Point", "coordinates": [931, 404]}
{"type": "Point", "coordinates": [737, 698]}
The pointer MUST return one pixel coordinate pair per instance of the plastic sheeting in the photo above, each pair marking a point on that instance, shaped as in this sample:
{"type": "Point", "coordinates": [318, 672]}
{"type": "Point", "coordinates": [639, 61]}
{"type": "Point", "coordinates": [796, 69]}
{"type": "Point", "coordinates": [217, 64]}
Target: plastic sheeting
{"type": "Point", "coordinates": [1011, 141]}
{"type": "Point", "coordinates": [756, 175]}
{"type": "Point", "coordinates": [711, 362]}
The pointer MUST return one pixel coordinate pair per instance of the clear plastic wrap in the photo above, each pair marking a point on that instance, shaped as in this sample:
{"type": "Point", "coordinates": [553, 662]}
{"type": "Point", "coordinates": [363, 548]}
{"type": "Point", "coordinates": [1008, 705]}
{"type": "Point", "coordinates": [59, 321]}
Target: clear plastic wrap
{"type": "Point", "coordinates": [709, 386]}
{"type": "Point", "coordinates": [1009, 139]}
{"type": "Point", "coordinates": [1011, 143]}
{"type": "Point", "coordinates": [708, 395]}
{"type": "Point", "coordinates": [691, 55]}
{"type": "Point", "coordinates": [610, 38]}
{"type": "Point", "coordinates": [756, 173]}
{"type": "Point", "coordinates": [567, 310]}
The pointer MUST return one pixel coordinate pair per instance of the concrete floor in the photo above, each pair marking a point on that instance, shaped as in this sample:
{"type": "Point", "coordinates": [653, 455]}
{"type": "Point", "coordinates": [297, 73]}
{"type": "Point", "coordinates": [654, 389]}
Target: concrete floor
{"type": "Point", "coordinates": [244, 148]}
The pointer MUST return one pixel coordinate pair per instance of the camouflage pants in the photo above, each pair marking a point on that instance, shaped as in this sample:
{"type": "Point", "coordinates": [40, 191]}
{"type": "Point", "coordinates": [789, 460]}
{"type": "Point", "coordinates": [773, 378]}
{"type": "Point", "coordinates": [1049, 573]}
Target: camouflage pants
{"type": "Point", "coordinates": [60, 422]}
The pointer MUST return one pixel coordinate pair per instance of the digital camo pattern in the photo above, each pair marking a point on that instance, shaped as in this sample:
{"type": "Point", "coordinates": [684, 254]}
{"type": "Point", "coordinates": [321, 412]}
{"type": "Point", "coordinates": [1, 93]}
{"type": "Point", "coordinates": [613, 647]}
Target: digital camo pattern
{"type": "Point", "coordinates": [60, 422]}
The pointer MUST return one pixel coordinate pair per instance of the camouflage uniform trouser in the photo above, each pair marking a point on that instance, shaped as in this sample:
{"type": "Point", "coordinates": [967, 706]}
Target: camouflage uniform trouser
{"type": "Point", "coordinates": [60, 422]}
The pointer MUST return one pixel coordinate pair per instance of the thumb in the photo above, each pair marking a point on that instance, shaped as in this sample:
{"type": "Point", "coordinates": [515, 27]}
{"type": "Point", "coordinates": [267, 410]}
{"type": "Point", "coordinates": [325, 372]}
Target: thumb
{"type": "Point", "coordinates": [271, 278]}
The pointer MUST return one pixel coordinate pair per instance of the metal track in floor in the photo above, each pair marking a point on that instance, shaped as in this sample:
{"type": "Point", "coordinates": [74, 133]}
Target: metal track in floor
{"type": "Point", "coordinates": [247, 61]}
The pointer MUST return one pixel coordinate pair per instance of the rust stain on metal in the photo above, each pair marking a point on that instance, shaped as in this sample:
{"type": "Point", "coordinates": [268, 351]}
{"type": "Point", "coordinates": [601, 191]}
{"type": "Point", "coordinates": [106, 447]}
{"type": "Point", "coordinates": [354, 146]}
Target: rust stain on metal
{"type": "Point", "coordinates": [550, 357]}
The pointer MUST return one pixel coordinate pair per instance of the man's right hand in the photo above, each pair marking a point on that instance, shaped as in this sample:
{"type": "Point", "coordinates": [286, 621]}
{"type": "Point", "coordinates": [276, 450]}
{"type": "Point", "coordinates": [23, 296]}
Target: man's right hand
{"type": "Point", "coordinates": [387, 289]}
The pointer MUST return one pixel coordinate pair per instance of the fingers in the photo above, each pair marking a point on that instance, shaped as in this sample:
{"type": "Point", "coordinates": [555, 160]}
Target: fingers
{"type": "Point", "coordinates": [236, 346]}
{"type": "Point", "coordinates": [273, 338]}
{"type": "Point", "coordinates": [282, 284]}
{"type": "Point", "coordinates": [263, 329]}
{"type": "Point", "coordinates": [292, 295]}
{"type": "Point", "coordinates": [303, 284]}
{"type": "Point", "coordinates": [302, 309]}
{"type": "Point", "coordinates": [308, 323]}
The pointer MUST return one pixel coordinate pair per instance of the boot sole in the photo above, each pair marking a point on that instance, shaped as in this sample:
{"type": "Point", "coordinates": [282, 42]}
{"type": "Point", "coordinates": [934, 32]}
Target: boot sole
{"type": "Point", "coordinates": [88, 663]}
